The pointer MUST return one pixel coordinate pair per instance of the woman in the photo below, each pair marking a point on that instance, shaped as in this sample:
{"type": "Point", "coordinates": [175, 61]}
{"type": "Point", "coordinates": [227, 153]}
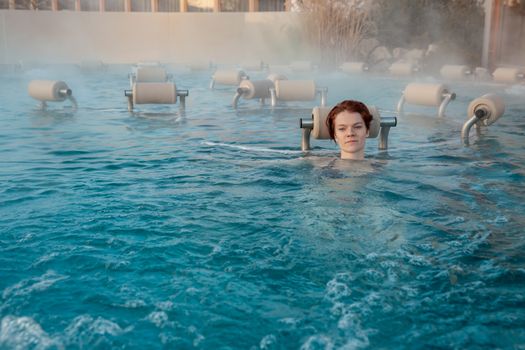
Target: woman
{"type": "Point", "coordinates": [348, 124]}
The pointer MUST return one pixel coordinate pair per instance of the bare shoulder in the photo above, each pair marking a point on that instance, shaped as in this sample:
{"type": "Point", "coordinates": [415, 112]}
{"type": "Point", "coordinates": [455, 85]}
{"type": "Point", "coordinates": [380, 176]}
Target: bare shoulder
{"type": "Point", "coordinates": [320, 161]}
{"type": "Point", "coordinates": [354, 167]}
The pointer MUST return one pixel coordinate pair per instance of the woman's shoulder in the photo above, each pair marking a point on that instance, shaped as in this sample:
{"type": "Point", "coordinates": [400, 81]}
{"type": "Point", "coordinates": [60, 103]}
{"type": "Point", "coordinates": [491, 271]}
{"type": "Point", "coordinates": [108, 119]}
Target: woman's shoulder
{"type": "Point", "coordinates": [354, 167]}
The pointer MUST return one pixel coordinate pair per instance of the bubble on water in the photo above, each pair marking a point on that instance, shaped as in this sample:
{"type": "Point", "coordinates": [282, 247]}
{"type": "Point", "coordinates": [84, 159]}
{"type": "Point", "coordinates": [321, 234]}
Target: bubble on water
{"type": "Point", "coordinates": [268, 342]}
{"type": "Point", "coordinates": [198, 337]}
{"type": "Point", "coordinates": [338, 309]}
{"type": "Point", "coordinates": [455, 244]}
{"type": "Point", "coordinates": [336, 290]}
{"type": "Point", "coordinates": [167, 338]}
{"type": "Point", "coordinates": [26, 237]}
{"type": "Point", "coordinates": [34, 284]}
{"type": "Point", "coordinates": [85, 330]}
{"type": "Point", "coordinates": [192, 291]}
{"type": "Point", "coordinates": [393, 276]}
{"type": "Point", "coordinates": [372, 298]}
{"type": "Point", "coordinates": [158, 318]}
{"type": "Point", "coordinates": [501, 219]}
{"type": "Point", "coordinates": [24, 333]}
{"type": "Point", "coordinates": [318, 342]}
{"type": "Point", "coordinates": [216, 249]}
{"type": "Point", "coordinates": [347, 321]}
{"type": "Point", "coordinates": [45, 258]}
{"type": "Point", "coordinates": [165, 305]}
{"type": "Point", "coordinates": [374, 275]}
{"type": "Point", "coordinates": [134, 304]}
{"type": "Point", "coordinates": [388, 263]}
{"type": "Point", "coordinates": [355, 343]}
{"type": "Point", "coordinates": [417, 260]}
{"type": "Point", "coordinates": [350, 324]}
{"type": "Point", "coordinates": [372, 256]}
{"type": "Point", "coordinates": [289, 321]}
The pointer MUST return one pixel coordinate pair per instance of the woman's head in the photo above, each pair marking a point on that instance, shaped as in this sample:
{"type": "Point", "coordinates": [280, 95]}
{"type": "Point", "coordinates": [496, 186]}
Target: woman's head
{"type": "Point", "coordinates": [348, 125]}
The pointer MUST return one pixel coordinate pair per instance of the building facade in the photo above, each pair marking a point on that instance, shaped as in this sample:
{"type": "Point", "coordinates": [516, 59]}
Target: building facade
{"type": "Point", "coordinates": [148, 5]}
{"type": "Point", "coordinates": [504, 33]}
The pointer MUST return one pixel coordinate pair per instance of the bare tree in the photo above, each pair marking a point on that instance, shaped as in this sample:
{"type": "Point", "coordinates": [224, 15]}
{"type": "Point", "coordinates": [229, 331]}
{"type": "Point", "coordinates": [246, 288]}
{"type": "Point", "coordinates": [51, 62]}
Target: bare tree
{"type": "Point", "coordinates": [336, 27]}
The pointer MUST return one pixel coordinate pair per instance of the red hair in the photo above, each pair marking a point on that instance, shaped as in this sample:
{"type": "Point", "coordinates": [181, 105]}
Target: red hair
{"type": "Point", "coordinates": [349, 106]}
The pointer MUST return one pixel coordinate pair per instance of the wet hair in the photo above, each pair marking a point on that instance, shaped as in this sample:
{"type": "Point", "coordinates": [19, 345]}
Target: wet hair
{"type": "Point", "coordinates": [349, 106]}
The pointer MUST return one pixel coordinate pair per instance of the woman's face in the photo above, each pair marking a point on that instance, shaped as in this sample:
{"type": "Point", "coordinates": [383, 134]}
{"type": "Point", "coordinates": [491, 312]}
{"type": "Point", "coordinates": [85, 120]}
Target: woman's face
{"type": "Point", "coordinates": [350, 134]}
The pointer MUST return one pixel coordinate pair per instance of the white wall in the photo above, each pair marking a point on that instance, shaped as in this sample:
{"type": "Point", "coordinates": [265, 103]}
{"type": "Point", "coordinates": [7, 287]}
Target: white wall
{"type": "Point", "coordinates": [71, 37]}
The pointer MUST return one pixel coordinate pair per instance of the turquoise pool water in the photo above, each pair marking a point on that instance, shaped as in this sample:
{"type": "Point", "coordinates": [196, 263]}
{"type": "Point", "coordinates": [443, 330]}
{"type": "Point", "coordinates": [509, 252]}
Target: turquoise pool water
{"type": "Point", "coordinates": [214, 231]}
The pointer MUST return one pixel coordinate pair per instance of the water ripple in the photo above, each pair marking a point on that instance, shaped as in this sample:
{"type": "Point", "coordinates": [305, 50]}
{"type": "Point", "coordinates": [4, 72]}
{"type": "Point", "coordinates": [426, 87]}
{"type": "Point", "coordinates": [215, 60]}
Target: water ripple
{"type": "Point", "coordinates": [213, 230]}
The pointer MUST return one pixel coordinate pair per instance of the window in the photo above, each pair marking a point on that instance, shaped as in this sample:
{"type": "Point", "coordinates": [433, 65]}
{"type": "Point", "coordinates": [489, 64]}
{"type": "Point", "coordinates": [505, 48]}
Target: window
{"type": "Point", "coordinates": [233, 5]}
{"type": "Point", "coordinates": [169, 5]}
{"type": "Point", "coordinates": [115, 6]}
{"type": "Point", "coordinates": [66, 5]}
{"type": "Point", "coordinates": [44, 5]}
{"type": "Point", "coordinates": [89, 5]}
{"type": "Point", "coordinates": [141, 5]}
{"type": "Point", "coordinates": [23, 4]}
{"type": "Point", "coordinates": [200, 5]}
{"type": "Point", "coordinates": [32, 4]}
{"type": "Point", "coordinates": [271, 5]}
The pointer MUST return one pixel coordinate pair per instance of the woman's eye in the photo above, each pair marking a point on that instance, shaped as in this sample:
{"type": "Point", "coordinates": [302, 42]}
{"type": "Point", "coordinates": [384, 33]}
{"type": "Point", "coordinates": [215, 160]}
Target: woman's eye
{"type": "Point", "coordinates": [358, 126]}
{"type": "Point", "coordinates": [340, 129]}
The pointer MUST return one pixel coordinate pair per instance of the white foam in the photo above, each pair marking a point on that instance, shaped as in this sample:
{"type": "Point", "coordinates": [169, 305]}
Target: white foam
{"type": "Point", "coordinates": [45, 258]}
{"type": "Point", "coordinates": [198, 337]}
{"type": "Point", "coordinates": [267, 342]}
{"type": "Point", "coordinates": [165, 305]}
{"type": "Point", "coordinates": [24, 333]}
{"type": "Point", "coordinates": [34, 284]}
{"type": "Point", "coordinates": [250, 148]}
{"type": "Point", "coordinates": [318, 342]}
{"type": "Point", "coordinates": [420, 146]}
{"type": "Point", "coordinates": [134, 304]}
{"type": "Point", "coordinates": [337, 290]}
{"type": "Point", "coordinates": [84, 329]}
{"type": "Point", "coordinates": [158, 318]}
{"type": "Point", "coordinates": [289, 321]}
{"type": "Point", "coordinates": [329, 152]}
{"type": "Point", "coordinates": [500, 219]}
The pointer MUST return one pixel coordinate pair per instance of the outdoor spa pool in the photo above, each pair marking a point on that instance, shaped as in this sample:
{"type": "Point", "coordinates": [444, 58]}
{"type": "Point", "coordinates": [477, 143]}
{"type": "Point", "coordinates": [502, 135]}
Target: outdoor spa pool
{"type": "Point", "coordinates": [212, 230]}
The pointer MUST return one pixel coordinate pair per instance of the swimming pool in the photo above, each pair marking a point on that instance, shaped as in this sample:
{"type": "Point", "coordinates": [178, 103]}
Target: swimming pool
{"type": "Point", "coordinates": [214, 231]}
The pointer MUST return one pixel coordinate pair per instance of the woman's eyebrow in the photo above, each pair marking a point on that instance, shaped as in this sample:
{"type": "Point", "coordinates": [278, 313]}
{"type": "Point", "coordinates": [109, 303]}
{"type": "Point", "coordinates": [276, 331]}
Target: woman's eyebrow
{"type": "Point", "coordinates": [343, 124]}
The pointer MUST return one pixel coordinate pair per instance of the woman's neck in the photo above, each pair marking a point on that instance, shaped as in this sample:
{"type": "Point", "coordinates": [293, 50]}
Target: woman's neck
{"type": "Point", "coordinates": [353, 155]}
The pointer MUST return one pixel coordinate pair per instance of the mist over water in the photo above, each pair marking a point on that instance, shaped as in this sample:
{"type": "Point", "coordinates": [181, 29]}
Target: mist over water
{"type": "Point", "coordinates": [210, 229]}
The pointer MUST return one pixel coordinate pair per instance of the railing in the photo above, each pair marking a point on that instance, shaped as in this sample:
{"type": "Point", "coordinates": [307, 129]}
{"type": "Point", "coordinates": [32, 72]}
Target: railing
{"type": "Point", "coordinates": [148, 5]}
